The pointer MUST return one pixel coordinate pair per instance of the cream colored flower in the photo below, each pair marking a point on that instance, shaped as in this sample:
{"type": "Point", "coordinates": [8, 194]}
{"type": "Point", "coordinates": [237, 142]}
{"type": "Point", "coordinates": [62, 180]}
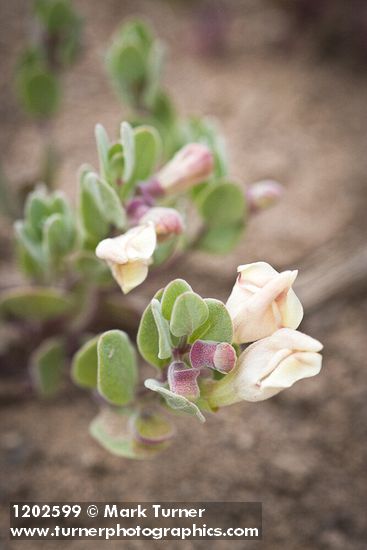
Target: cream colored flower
{"type": "Point", "coordinates": [129, 255]}
{"type": "Point", "coordinates": [262, 301]}
{"type": "Point", "coordinates": [267, 367]}
{"type": "Point", "coordinates": [192, 164]}
{"type": "Point", "coordinates": [167, 221]}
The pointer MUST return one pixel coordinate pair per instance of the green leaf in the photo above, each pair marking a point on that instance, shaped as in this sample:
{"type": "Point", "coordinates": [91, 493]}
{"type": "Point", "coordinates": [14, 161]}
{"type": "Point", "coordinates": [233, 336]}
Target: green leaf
{"type": "Point", "coordinates": [189, 312]}
{"type": "Point", "coordinates": [127, 67]}
{"type": "Point", "coordinates": [154, 70]}
{"type": "Point", "coordinates": [35, 303]}
{"type": "Point", "coordinates": [148, 339]}
{"type": "Point", "coordinates": [108, 201]}
{"type": "Point", "coordinates": [27, 264]}
{"type": "Point", "coordinates": [58, 239]}
{"type": "Point", "coordinates": [37, 211]}
{"type": "Point", "coordinates": [128, 144]}
{"type": "Point", "coordinates": [218, 327]}
{"type": "Point", "coordinates": [38, 91]}
{"type": "Point", "coordinates": [102, 148]}
{"type": "Point", "coordinates": [170, 294]}
{"type": "Point", "coordinates": [117, 369]}
{"type": "Point", "coordinates": [164, 338]}
{"type": "Point", "coordinates": [93, 221]}
{"type": "Point", "coordinates": [99, 206]}
{"type": "Point", "coordinates": [47, 366]}
{"type": "Point", "coordinates": [222, 205]}
{"type": "Point", "coordinates": [147, 151]}
{"type": "Point", "coordinates": [220, 240]}
{"type": "Point", "coordinates": [173, 400]}
{"type": "Point", "coordinates": [139, 33]}
{"type": "Point", "coordinates": [85, 365]}
{"type": "Point", "coordinates": [27, 239]}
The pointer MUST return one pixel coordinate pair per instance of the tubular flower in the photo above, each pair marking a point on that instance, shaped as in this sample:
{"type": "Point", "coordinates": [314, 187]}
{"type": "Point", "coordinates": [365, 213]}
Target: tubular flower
{"type": "Point", "coordinates": [267, 367]}
{"type": "Point", "coordinates": [183, 380]}
{"type": "Point", "coordinates": [262, 301]}
{"type": "Point", "coordinates": [129, 255]}
{"type": "Point", "coordinates": [219, 356]}
{"type": "Point", "coordinates": [192, 164]}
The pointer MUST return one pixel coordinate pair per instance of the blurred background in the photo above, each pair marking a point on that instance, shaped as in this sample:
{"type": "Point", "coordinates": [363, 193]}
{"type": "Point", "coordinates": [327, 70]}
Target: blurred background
{"type": "Point", "coordinates": [287, 81]}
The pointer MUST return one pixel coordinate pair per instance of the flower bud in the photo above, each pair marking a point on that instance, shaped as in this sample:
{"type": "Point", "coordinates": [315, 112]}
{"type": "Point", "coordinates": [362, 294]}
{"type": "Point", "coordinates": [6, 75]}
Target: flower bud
{"type": "Point", "coordinates": [219, 356]}
{"type": "Point", "coordinates": [129, 255]}
{"type": "Point", "coordinates": [136, 208]}
{"type": "Point", "coordinates": [192, 164]}
{"type": "Point", "coordinates": [262, 301]}
{"type": "Point", "coordinates": [267, 367]}
{"type": "Point", "coordinates": [183, 380]}
{"type": "Point", "coordinates": [167, 221]}
{"type": "Point", "coordinates": [263, 194]}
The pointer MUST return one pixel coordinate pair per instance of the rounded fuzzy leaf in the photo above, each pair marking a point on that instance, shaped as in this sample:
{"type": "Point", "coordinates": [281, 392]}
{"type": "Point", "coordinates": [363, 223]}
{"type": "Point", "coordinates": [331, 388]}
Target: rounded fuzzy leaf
{"type": "Point", "coordinates": [117, 369]}
{"type": "Point", "coordinates": [57, 236]}
{"type": "Point", "coordinates": [221, 240]}
{"type": "Point", "coordinates": [170, 294]}
{"type": "Point", "coordinates": [148, 339]}
{"type": "Point", "coordinates": [147, 151]}
{"type": "Point", "coordinates": [218, 327]}
{"type": "Point", "coordinates": [47, 365]}
{"type": "Point", "coordinates": [176, 402]}
{"type": "Point", "coordinates": [84, 367]}
{"type": "Point", "coordinates": [189, 312]}
{"type": "Point", "coordinates": [37, 303]}
{"type": "Point", "coordinates": [222, 205]}
{"type": "Point", "coordinates": [127, 67]}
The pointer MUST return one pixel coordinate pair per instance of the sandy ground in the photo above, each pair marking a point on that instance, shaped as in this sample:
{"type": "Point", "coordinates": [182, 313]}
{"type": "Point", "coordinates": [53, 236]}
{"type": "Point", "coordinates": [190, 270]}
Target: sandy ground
{"type": "Point", "coordinates": [285, 115]}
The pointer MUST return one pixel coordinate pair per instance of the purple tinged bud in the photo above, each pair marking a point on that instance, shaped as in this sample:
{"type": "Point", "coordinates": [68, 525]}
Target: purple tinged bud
{"type": "Point", "coordinates": [183, 380]}
{"type": "Point", "coordinates": [263, 194]}
{"type": "Point", "coordinates": [136, 208]}
{"type": "Point", "coordinates": [192, 164]}
{"type": "Point", "coordinates": [151, 189]}
{"type": "Point", "coordinates": [218, 356]}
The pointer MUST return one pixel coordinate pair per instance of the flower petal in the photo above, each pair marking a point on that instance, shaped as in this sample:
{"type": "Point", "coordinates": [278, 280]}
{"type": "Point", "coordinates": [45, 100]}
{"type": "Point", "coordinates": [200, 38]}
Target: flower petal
{"type": "Point", "coordinates": [141, 242]}
{"type": "Point", "coordinates": [113, 250]}
{"type": "Point", "coordinates": [295, 367]}
{"type": "Point", "coordinates": [129, 275]}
